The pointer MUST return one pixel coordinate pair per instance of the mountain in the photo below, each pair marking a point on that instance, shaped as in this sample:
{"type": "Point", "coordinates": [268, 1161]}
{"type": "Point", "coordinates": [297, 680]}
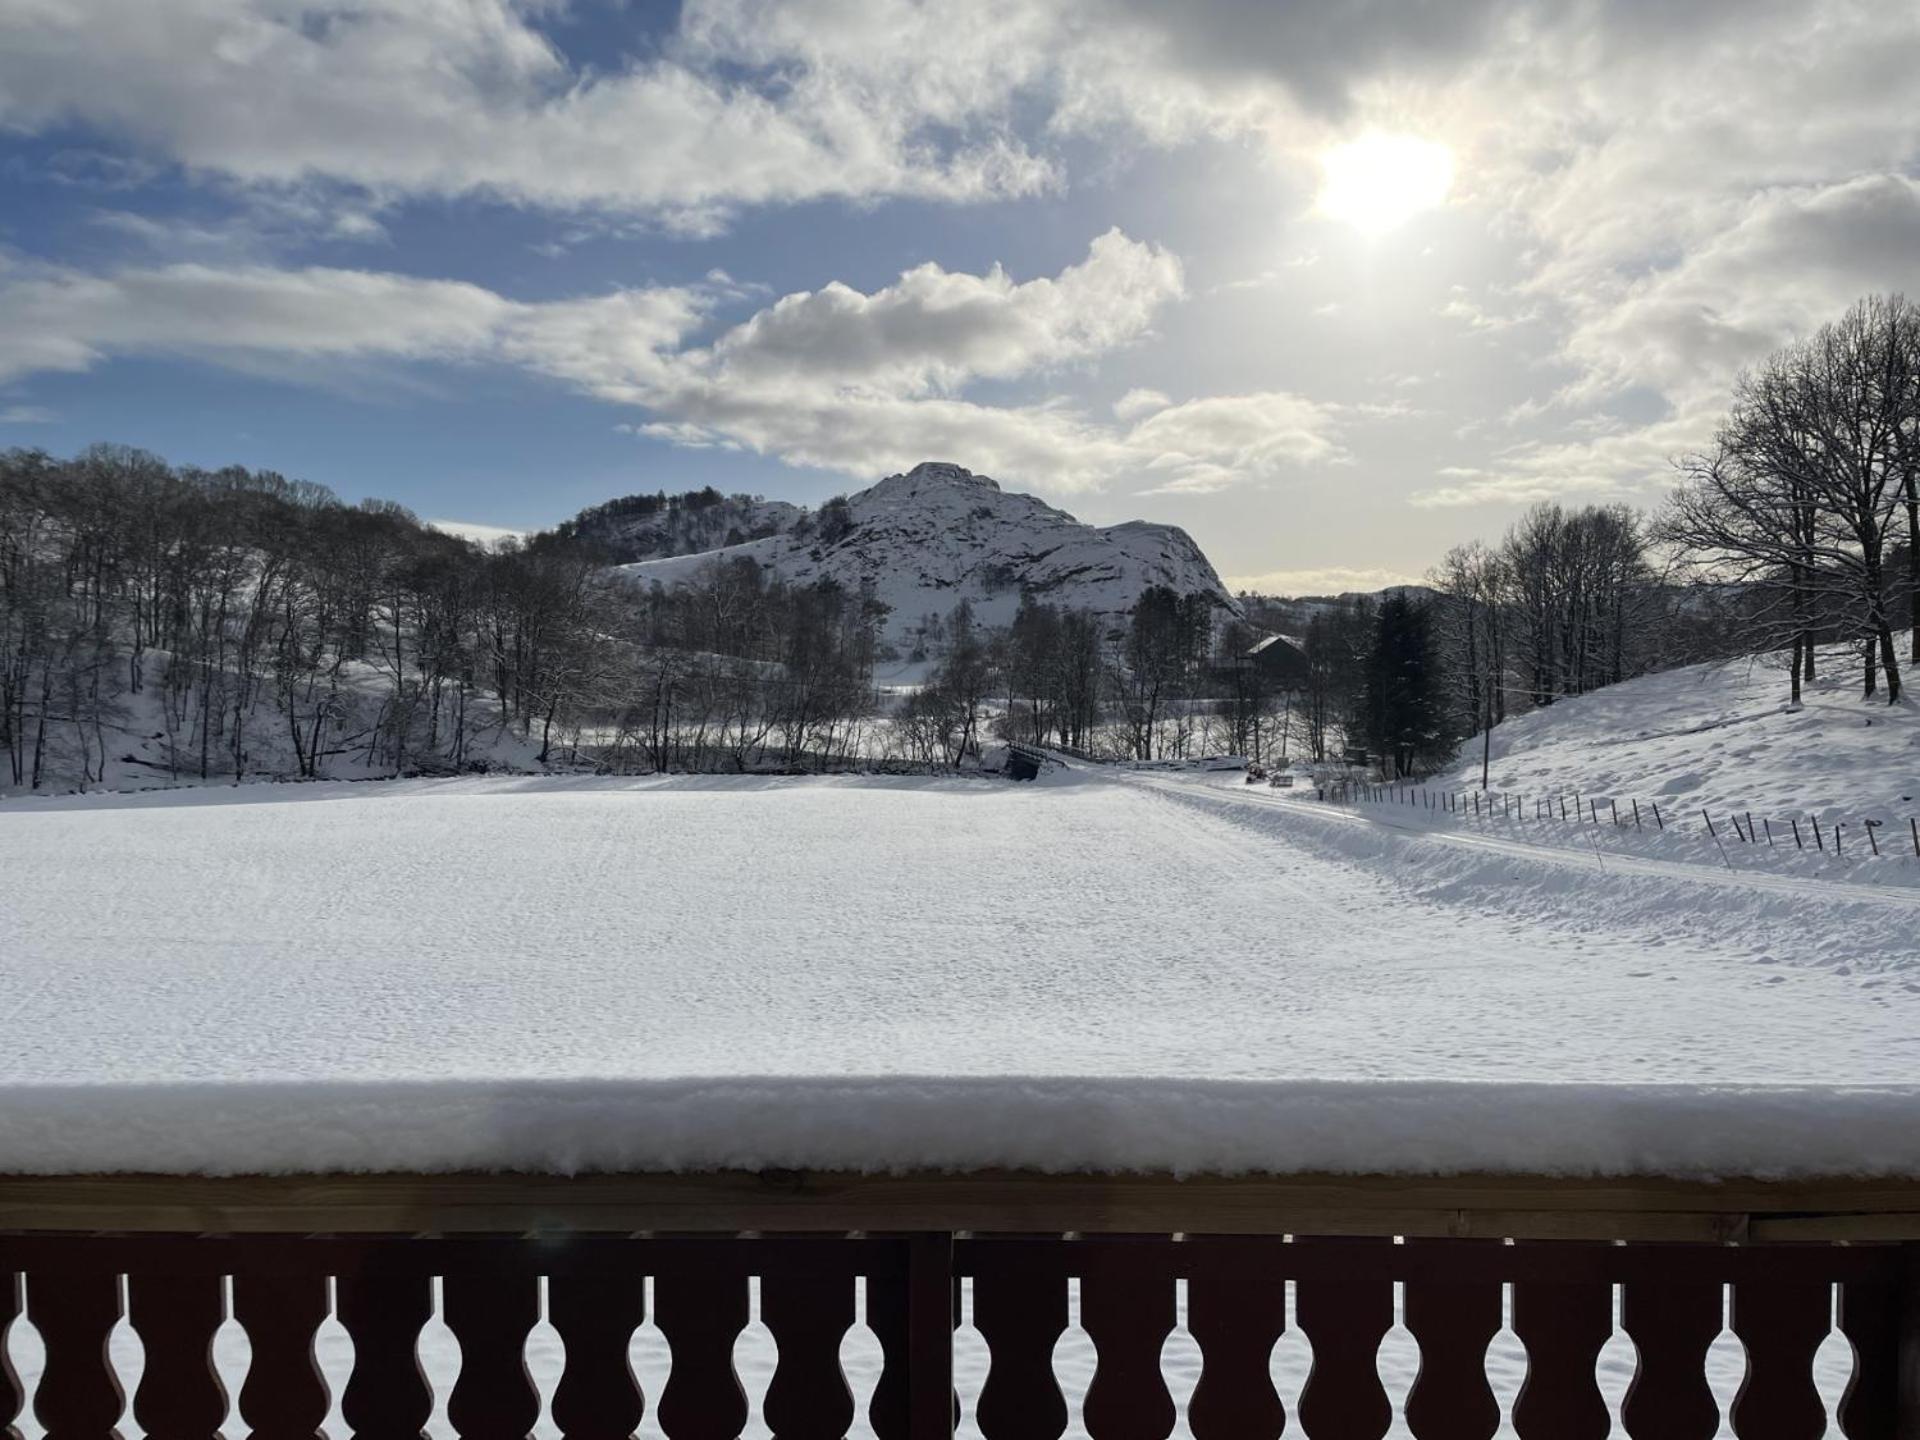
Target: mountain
{"type": "Point", "coordinates": [655, 527]}
{"type": "Point", "coordinates": [925, 540]}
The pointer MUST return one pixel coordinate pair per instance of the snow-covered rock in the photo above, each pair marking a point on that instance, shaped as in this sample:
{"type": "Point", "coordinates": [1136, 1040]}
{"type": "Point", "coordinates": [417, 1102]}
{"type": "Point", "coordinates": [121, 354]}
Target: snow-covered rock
{"type": "Point", "coordinates": [925, 540]}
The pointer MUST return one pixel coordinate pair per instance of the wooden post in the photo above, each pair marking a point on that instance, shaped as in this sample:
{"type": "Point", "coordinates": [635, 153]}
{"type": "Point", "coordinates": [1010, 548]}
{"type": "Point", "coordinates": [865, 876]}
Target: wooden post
{"type": "Point", "coordinates": [1749, 827]}
{"type": "Point", "coordinates": [1769, 824]}
{"type": "Point", "coordinates": [1870, 824]}
{"type": "Point", "coordinates": [1916, 834]}
{"type": "Point", "coordinates": [1709, 820]}
{"type": "Point", "coordinates": [1819, 844]}
{"type": "Point", "coordinates": [1636, 816]}
{"type": "Point", "coordinates": [1616, 810]}
{"type": "Point", "coordinates": [930, 1300]}
{"type": "Point", "coordinates": [1662, 824]}
{"type": "Point", "coordinates": [1907, 1410]}
{"type": "Point", "coordinates": [1800, 844]}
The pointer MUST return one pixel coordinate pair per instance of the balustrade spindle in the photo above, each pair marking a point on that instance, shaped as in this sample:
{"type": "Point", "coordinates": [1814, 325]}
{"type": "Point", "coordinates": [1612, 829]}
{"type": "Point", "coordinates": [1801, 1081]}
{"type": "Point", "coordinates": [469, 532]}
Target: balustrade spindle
{"type": "Point", "coordinates": [180, 1395]}
{"type": "Point", "coordinates": [1564, 1326]}
{"type": "Point", "coordinates": [1020, 1309]}
{"type": "Point", "coordinates": [1871, 1319]}
{"type": "Point", "coordinates": [702, 1317]}
{"type": "Point", "coordinates": [1454, 1321]}
{"type": "Point", "coordinates": [1127, 1306]}
{"type": "Point", "coordinates": [1671, 1324]}
{"type": "Point", "coordinates": [1781, 1323]}
{"type": "Point", "coordinates": [284, 1396]}
{"type": "Point", "coordinates": [809, 1315]}
{"type": "Point", "coordinates": [490, 1314]}
{"type": "Point", "coordinates": [79, 1396]}
{"type": "Point", "coordinates": [12, 1395]}
{"type": "Point", "coordinates": [1237, 1314]}
{"type": "Point", "coordinates": [387, 1395]}
{"type": "Point", "coordinates": [596, 1314]}
{"type": "Point", "coordinates": [1345, 1318]}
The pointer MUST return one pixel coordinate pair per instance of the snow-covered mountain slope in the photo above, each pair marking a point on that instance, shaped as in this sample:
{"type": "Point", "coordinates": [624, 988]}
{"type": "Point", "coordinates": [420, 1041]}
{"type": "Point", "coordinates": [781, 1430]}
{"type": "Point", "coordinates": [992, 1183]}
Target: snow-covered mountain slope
{"type": "Point", "coordinates": [654, 527]}
{"type": "Point", "coordinates": [925, 540]}
{"type": "Point", "coordinates": [1722, 736]}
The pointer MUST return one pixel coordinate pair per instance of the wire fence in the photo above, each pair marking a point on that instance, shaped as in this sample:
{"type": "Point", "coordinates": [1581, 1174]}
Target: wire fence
{"type": "Point", "coordinates": [1864, 837]}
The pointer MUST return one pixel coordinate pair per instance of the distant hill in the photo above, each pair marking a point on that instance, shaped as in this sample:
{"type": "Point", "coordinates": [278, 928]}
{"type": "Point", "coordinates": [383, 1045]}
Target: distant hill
{"type": "Point", "coordinates": [659, 526]}
{"type": "Point", "coordinates": [925, 540]}
{"type": "Point", "coordinates": [1290, 615]}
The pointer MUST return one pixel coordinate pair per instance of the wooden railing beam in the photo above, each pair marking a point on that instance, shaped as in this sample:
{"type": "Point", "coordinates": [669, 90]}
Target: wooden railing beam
{"type": "Point", "coordinates": [1485, 1206]}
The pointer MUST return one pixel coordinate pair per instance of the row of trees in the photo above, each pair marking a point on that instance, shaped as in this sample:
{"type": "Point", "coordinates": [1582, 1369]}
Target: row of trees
{"type": "Point", "coordinates": [1811, 479]}
{"type": "Point", "coordinates": [234, 623]}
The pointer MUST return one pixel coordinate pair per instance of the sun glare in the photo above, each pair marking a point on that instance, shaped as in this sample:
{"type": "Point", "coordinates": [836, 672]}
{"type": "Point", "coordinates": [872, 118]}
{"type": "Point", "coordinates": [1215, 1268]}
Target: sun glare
{"type": "Point", "coordinates": [1379, 182]}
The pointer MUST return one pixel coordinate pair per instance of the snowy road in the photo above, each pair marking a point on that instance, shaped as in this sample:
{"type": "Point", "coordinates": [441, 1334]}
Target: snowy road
{"type": "Point", "coordinates": [1090, 972]}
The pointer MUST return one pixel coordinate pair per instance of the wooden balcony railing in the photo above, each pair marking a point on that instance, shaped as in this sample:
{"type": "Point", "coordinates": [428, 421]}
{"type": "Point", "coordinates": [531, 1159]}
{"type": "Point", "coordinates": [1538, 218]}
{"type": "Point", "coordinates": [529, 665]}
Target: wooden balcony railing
{"type": "Point", "coordinates": [1780, 1261]}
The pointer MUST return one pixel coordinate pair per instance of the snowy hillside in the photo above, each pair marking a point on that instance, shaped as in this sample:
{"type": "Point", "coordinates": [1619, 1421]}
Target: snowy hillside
{"type": "Point", "coordinates": [1721, 736]}
{"type": "Point", "coordinates": [655, 527]}
{"type": "Point", "coordinates": [925, 540]}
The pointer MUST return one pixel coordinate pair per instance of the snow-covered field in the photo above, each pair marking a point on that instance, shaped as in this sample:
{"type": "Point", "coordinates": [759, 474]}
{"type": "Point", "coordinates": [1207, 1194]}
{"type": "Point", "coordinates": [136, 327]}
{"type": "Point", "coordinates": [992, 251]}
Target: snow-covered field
{"type": "Point", "coordinates": [1101, 969]}
{"type": "Point", "coordinates": [1096, 971]}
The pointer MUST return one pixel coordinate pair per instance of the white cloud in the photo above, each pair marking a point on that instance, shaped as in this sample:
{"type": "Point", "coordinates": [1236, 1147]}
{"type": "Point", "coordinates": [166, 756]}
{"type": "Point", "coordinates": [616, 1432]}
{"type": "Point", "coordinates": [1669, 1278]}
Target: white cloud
{"type": "Point", "coordinates": [1221, 440]}
{"type": "Point", "coordinates": [454, 97]}
{"type": "Point", "coordinates": [935, 329]}
{"type": "Point", "coordinates": [1139, 401]}
{"type": "Point", "coordinates": [26, 415]}
{"type": "Point", "coordinates": [54, 318]}
{"type": "Point", "coordinates": [855, 382]}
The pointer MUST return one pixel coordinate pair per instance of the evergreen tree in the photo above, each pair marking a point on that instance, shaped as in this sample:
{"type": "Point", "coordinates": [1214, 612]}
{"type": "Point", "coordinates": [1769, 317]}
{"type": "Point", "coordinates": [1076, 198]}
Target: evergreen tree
{"type": "Point", "coordinates": [1402, 706]}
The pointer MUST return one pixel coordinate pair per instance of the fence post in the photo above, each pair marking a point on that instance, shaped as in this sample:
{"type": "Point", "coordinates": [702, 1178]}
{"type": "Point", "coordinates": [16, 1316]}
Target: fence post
{"type": "Point", "coordinates": [1593, 810]}
{"type": "Point", "coordinates": [1636, 816]}
{"type": "Point", "coordinates": [1819, 844]}
{"type": "Point", "coordinates": [1838, 826]}
{"type": "Point", "coordinates": [1656, 816]}
{"type": "Point", "coordinates": [1563, 807]}
{"type": "Point", "coordinates": [1916, 834]}
{"type": "Point", "coordinates": [1870, 824]}
{"type": "Point", "coordinates": [1710, 830]}
{"type": "Point", "coordinates": [930, 1300]}
{"type": "Point", "coordinates": [1616, 810]}
{"type": "Point", "coordinates": [1800, 844]}
{"type": "Point", "coordinates": [1769, 824]}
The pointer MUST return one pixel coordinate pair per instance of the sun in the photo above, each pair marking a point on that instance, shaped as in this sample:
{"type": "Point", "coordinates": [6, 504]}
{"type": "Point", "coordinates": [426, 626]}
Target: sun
{"type": "Point", "coordinates": [1379, 182]}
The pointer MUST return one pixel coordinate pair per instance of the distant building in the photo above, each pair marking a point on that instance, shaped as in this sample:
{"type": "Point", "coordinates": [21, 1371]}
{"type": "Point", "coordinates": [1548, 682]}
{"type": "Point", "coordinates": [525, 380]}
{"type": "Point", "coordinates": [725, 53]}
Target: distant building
{"type": "Point", "coordinates": [1280, 661]}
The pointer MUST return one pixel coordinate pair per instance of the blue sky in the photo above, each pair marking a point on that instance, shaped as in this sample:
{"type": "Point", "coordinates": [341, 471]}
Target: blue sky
{"type": "Point", "coordinates": [1332, 286]}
